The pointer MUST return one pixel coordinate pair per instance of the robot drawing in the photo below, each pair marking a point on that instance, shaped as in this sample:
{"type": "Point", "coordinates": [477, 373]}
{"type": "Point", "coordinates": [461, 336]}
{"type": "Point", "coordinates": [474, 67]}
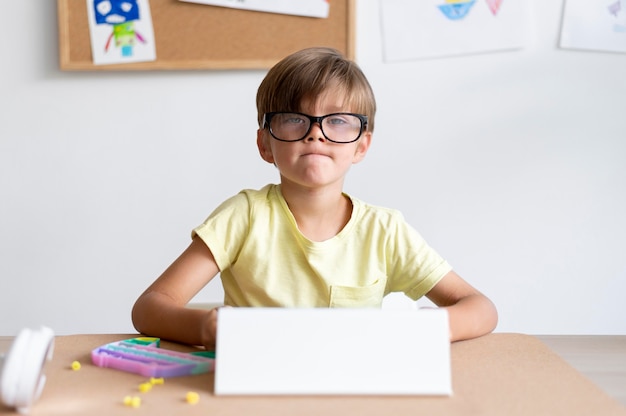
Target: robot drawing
{"type": "Point", "coordinates": [121, 15]}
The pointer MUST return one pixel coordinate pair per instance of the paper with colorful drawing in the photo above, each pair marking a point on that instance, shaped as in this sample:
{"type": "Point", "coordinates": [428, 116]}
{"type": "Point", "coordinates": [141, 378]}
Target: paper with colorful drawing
{"type": "Point", "coordinates": [437, 28]}
{"type": "Point", "coordinates": [594, 25]}
{"type": "Point", "coordinates": [121, 31]}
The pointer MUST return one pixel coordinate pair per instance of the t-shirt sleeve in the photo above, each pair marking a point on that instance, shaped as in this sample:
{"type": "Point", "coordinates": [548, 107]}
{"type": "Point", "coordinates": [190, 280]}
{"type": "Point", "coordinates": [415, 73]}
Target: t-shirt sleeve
{"type": "Point", "coordinates": [225, 229]}
{"type": "Point", "coordinates": [416, 266]}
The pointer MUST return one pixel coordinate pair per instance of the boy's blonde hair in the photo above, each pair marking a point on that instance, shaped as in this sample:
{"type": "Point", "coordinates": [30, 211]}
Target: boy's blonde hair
{"type": "Point", "coordinates": [306, 74]}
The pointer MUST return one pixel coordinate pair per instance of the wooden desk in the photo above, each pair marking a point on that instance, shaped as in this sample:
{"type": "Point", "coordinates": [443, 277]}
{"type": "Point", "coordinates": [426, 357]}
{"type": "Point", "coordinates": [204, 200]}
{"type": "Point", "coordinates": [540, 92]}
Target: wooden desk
{"type": "Point", "coordinates": [601, 358]}
{"type": "Point", "coordinates": [499, 374]}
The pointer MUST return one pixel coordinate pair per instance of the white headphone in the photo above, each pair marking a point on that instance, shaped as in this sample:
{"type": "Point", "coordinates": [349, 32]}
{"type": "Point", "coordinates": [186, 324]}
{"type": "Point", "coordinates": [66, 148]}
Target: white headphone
{"type": "Point", "coordinates": [21, 373]}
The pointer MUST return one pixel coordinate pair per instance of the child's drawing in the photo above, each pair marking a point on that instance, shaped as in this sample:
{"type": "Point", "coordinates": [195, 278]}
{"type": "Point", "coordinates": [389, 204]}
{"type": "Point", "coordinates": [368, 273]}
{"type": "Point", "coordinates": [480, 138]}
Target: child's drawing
{"type": "Point", "coordinates": [456, 9]}
{"type": "Point", "coordinates": [615, 8]}
{"type": "Point", "coordinates": [618, 10]}
{"type": "Point", "coordinates": [494, 5]}
{"type": "Point", "coordinates": [598, 25]}
{"type": "Point", "coordinates": [436, 28]}
{"type": "Point", "coordinates": [121, 31]}
{"type": "Point", "coordinates": [121, 16]}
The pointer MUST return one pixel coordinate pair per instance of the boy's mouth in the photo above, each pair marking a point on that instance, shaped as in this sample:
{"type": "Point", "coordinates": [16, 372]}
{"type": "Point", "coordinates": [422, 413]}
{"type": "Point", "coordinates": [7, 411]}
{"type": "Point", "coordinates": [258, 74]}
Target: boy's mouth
{"type": "Point", "coordinates": [313, 154]}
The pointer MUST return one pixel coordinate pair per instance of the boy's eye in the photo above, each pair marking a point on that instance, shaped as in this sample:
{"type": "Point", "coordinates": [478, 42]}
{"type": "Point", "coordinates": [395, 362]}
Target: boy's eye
{"type": "Point", "coordinates": [336, 121]}
{"type": "Point", "coordinates": [294, 120]}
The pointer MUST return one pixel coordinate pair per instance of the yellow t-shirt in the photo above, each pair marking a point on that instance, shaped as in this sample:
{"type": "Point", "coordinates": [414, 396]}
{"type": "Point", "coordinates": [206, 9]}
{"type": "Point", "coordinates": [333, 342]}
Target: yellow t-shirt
{"type": "Point", "coordinates": [265, 261]}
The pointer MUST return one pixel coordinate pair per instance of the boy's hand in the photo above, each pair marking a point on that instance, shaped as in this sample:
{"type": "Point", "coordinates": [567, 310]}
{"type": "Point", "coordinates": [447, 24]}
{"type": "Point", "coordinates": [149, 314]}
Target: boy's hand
{"type": "Point", "coordinates": [209, 328]}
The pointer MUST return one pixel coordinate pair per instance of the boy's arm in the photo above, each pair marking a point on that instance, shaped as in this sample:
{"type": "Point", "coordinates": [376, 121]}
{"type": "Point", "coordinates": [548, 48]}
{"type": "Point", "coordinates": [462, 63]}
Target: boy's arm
{"type": "Point", "coordinates": [471, 314]}
{"type": "Point", "coordinates": [161, 310]}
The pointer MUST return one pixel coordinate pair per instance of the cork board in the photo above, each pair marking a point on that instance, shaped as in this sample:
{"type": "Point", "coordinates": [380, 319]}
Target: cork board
{"type": "Point", "coordinates": [197, 36]}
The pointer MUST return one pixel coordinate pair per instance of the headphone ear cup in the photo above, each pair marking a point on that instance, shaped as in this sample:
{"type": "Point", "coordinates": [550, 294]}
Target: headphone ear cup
{"type": "Point", "coordinates": [22, 377]}
{"type": "Point", "coordinates": [11, 369]}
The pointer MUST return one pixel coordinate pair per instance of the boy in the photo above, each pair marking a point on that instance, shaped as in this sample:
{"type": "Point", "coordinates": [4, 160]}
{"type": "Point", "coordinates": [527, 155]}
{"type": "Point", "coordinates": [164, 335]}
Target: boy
{"type": "Point", "coordinates": [305, 243]}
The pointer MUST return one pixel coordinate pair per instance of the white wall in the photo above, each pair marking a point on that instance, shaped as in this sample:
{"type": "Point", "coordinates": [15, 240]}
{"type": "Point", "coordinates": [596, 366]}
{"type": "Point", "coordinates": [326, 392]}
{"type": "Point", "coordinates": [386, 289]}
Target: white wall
{"type": "Point", "coordinates": [512, 165]}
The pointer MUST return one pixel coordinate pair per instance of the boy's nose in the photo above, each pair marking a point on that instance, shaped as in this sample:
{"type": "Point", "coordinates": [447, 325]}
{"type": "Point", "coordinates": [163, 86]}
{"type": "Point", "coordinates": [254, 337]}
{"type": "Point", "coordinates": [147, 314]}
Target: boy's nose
{"type": "Point", "coordinates": [315, 132]}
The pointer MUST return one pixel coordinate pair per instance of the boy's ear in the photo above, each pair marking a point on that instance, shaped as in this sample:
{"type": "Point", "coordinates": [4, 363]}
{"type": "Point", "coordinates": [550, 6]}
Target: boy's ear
{"type": "Point", "coordinates": [262, 143]}
{"type": "Point", "coordinates": [362, 147]}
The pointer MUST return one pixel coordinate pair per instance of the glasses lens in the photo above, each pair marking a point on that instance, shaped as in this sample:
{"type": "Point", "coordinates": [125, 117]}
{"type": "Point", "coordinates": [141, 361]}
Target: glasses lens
{"type": "Point", "coordinates": [289, 126]}
{"type": "Point", "coordinates": [340, 127]}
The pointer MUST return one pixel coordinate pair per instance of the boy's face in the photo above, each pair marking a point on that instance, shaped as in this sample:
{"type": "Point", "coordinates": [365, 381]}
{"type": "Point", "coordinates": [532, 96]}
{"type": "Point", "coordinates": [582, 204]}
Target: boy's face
{"type": "Point", "coordinates": [314, 162]}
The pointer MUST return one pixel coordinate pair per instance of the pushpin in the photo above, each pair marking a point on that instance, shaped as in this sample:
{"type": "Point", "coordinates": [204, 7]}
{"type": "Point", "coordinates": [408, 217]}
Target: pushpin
{"type": "Point", "coordinates": [145, 387]}
{"type": "Point", "coordinates": [132, 401]}
{"type": "Point", "coordinates": [192, 397]}
{"type": "Point", "coordinates": [75, 365]}
{"type": "Point", "coordinates": [135, 402]}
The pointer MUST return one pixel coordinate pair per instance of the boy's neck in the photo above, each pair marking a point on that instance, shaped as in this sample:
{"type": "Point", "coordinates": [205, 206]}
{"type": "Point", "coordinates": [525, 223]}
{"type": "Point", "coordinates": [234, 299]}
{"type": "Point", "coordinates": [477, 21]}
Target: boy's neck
{"type": "Point", "coordinates": [320, 213]}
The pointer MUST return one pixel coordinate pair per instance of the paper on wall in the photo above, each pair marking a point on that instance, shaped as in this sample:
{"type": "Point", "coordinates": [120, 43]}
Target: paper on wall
{"type": "Point", "coordinates": [121, 31]}
{"type": "Point", "coordinates": [310, 8]}
{"type": "Point", "coordinates": [594, 25]}
{"type": "Point", "coordinates": [436, 28]}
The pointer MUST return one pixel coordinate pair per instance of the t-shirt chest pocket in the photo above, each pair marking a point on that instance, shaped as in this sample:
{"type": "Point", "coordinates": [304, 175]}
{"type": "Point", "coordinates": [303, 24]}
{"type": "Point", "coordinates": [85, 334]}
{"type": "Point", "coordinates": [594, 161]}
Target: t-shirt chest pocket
{"type": "Point", "coordinates": [358, 296]}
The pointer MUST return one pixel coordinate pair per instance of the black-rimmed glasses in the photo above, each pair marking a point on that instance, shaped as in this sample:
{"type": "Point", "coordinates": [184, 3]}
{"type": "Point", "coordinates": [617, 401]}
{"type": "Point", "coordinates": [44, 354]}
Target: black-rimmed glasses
{"type": "Point", "coordinates": [336, 127]}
